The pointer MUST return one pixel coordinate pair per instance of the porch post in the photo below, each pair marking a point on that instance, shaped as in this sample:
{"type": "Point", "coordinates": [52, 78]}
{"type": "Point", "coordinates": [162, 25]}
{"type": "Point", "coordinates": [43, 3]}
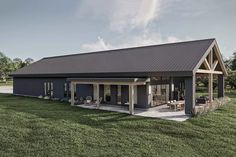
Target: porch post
{"type": "Point", "coordinates": [221, 86]}
{"type": "Point", "coordinates": [171, 89]}
{"type": "Point", "coordinates": [72, 93]}
{"type": "Point", "coordinates": [189, 94]}
{"type": "Point", "coordinates": [210, 77]}
{"type": "Point", "coordinates": [98, 102]}
{"type": "Point", "coordinates": [131, 99]}
{"type": "Point", "coordinates": [210, 87]}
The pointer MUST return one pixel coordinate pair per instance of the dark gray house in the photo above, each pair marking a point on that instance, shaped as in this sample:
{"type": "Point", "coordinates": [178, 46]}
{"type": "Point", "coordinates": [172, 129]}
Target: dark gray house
{"type": "Point", "coordinates": [140, 77]}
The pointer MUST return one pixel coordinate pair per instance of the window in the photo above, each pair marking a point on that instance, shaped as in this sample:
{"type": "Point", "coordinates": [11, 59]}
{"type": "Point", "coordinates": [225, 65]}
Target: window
{"type": "Point", "coordinates": [65, 90]}
{"type": "Point", "coordinates": [48, 89]}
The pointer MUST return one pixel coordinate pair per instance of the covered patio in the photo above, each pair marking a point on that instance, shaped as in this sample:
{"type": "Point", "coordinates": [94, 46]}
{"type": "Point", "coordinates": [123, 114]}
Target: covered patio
{"type": "Point", "coordinates": [163, 111]}
{"type": "Point", "coordinates": [130, 82]}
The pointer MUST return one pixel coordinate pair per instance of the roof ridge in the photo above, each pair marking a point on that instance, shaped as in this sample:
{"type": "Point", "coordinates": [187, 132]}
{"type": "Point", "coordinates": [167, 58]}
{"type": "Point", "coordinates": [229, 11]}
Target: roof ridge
{"type": "Point", "coordinates": [106, 51]}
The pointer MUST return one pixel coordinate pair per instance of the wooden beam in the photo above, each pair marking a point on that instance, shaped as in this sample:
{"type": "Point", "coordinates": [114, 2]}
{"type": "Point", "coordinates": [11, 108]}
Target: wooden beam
{"type": "Point", "coordinates": [72, 90]}
{"type": "Point", "coordinates": [206, 64]}
{"type": "Point", "coordinates": [131, 99]}
{"type": "Point", "coordinates": [111, 83]}
{"type": "Point", "coordinates": [214, 65]}
{"type": "Point", "coordinates": [208, 71]}
{"type": "Point", "coordinates": [210, 59]}
{"type": "Point", "coordinates": [210, 87]}
{"type": "Point", "coordinates": [219, 57]}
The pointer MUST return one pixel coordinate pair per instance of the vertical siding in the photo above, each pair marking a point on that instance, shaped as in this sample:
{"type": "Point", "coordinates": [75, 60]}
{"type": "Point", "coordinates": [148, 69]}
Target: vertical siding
{"type": "Point", "coordinates": [84, 90]}
{"type": "Point", "coordinates": [142, 97]}
{"type": "Point", "coordinates": [221, 86]}
{"type": "Point", "coordinates": [189, 94]}
{"type": "Point", "coordinates": [35, 86]}
{"type": "Point", "coordinates": [58, 86]}
{"type": "Point", "coordinates": [101, 92]}
{"type": "Point", "coordinates": [114, 94]}
{"type": "Point", "coordinates": [124, 94]}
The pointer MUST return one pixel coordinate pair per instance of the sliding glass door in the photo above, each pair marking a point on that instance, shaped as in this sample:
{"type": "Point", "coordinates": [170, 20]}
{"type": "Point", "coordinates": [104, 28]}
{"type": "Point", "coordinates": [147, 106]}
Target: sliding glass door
{"type": "Point", "coordinates": [160, 94]}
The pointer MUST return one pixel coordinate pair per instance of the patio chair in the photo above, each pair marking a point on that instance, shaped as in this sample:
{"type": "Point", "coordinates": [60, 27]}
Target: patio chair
{"type": "Point", "coordinates": [88, 99]}
{"type": "Point", "coordinates": [81, 100]}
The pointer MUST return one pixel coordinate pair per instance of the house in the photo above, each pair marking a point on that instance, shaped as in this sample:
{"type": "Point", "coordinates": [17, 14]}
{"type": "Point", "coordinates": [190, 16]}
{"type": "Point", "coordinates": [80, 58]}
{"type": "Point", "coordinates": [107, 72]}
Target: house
{"type": "Point", "coordinates": [140, 77]}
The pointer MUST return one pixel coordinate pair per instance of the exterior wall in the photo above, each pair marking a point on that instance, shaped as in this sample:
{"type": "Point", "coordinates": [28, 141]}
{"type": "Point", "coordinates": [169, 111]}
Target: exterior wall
{"type": "Point", "coordinates": [101, 92]}
{"type": "Point", "coordinates": [221, 86]}
{"type": "Point", "coordinates": [35, 86]}
{"type": "Point", "coordinates": [114, 93]}
{"type": "Point", "coordinates": [142, 97]}
{"type": "Point", "coordinates": [84, 90]}
{"type": "Point", "coordinates": [124, 94]}
{"type": "Point", "coordinates": [189, 94]}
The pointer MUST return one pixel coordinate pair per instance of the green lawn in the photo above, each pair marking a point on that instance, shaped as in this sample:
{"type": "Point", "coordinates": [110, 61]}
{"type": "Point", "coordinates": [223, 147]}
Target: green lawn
{"type": "Point", "coordinates": [33, 127]}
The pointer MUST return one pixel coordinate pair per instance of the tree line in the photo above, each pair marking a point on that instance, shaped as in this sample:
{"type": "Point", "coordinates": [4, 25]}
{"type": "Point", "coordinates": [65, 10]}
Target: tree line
{"type": "Point", "coordinates": [231, 68]}
{"type": "Point", "coordinates": [7, 65]}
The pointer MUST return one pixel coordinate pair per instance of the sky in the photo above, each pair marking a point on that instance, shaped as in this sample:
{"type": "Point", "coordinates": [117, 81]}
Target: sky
{"type": "Point", "coordinates": [42, 28]}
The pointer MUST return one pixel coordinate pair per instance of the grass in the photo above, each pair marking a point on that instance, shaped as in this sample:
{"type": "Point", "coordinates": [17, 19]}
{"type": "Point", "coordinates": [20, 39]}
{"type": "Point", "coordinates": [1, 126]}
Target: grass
{"type": "Point", "coordinates": [33, 127]}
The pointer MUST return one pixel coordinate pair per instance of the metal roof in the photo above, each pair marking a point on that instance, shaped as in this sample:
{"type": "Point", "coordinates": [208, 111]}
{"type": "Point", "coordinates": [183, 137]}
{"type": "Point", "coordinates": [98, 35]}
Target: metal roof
{"type": "Point", "coordinates": [173, 57]}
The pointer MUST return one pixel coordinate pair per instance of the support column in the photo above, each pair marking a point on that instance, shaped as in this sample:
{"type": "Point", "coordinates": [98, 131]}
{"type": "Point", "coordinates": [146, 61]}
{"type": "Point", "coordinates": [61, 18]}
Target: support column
{"type": "Point", "coordinates": [210, 78]}
{"type": "Point", "coordinates": [210, 87]}
{"type": "Point", "coordinates": [171, 89]}
{"type": "Point", "coordinates": [131, 99]}
{"type": "Point", "coordinates": [221, 85]}
{"type": "Point", "coordinates": [98, 97]}
{"type": "Point", "coordinates": [190, 94]}
{"type": "Point", "coordinates": [72, 90]}
{"type": "Point", "coordinates": [148, 95]}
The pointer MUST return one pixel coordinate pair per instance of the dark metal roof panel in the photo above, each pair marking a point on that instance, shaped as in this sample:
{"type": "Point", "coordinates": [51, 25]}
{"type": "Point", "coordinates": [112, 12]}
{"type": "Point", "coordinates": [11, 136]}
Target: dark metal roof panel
{"type": "Point", "coordinates": [182, 56]}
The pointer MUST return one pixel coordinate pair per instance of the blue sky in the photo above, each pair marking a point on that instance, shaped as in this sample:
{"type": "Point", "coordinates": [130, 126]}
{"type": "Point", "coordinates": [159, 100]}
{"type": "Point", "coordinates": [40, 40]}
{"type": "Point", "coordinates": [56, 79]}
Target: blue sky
{"type": "Point", "coordinates": [36, 29]}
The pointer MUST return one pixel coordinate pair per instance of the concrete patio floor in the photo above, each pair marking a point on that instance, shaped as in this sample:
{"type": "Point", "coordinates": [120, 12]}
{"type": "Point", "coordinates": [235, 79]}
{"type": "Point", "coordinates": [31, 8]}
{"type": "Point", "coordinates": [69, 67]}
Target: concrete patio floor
{"type": "Point", "coordinates": [162, 111]}
{"type": "Point", "coordinates": [6, 89]}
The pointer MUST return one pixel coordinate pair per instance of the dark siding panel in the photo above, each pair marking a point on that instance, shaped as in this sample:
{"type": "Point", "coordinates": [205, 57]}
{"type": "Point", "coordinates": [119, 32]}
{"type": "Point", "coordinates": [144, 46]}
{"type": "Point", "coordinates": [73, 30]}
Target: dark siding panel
{"type": "Point", "coordinates": [189, 94]}
{"type": "Point", "coordinates": [58, 85]}
{"type": "Point", "coordinates": [28, 86]}
{"type": "Point", "coordinates": [221, 86]}
{"type": "Point", "coordinates": [84, 90]}
{"type": "Point", "coordinates": [101, 92]}
{"type": "Point", "coordinates": [124, 94]}
{"type": "Point", "coordinates": [114, 94]}
{"type": "Point", "coordinates": [35, 86]}
{"type": "Point", "coordinates": [142, 97]}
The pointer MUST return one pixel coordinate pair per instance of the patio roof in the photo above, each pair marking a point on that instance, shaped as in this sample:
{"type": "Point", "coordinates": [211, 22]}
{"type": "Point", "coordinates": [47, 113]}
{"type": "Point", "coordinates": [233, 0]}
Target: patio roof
{"type": "Point", "coordinates": [117, 81]}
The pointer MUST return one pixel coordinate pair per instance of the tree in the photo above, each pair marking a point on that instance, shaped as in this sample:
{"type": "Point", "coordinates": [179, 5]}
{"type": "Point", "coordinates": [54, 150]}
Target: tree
{"type": "Point", "coordinates": [18, 63]}
{"type": "Point", "coordinates": [233, 62]}
{"type": "Point", "coordinates": [28, 61]}
{"type": "Point", "coordinates": [5, 66]}
{"type": "Point", "coordinates": [231, 79]}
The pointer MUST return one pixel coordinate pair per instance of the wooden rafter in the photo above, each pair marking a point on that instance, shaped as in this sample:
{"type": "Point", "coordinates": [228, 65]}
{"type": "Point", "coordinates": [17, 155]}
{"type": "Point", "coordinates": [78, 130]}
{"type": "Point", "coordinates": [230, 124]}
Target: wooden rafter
{"type": "Point", "coordinates": [214, 65]}
{"type": "Point", "coordinates": [206, 64]}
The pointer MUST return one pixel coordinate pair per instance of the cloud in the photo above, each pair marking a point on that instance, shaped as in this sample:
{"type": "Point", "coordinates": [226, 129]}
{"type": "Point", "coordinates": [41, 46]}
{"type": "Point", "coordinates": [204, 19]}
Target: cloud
{"type": "Point", "coordinates": [121, 15]}
{"type": "Point", "coordinates": [133, 14]}
{"type": "Point", "coordinates": [130, 20]}
{"type": "Point", "coordinates": [129, 41]}
{"type": "Point", "coordinates": [96, 46]}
